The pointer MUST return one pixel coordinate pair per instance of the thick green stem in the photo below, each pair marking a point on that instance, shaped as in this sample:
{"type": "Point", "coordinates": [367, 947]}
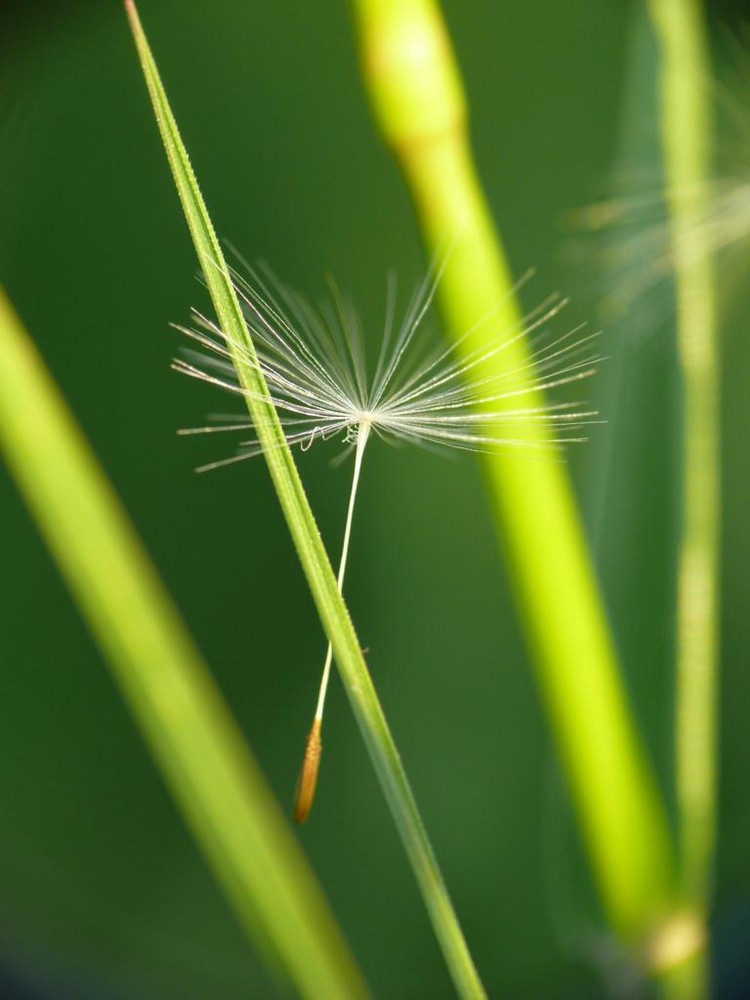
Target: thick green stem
{"type": "Point", "coordinates": [415, 88]}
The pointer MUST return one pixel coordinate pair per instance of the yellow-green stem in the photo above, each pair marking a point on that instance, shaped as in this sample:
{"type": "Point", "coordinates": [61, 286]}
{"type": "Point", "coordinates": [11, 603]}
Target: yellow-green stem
{"type": "Point", "coordinates": [192, 735]}
{"type": "Point", "coordinates": [687, 142]}
{"type": "Point", "coordinates": [415, 88]}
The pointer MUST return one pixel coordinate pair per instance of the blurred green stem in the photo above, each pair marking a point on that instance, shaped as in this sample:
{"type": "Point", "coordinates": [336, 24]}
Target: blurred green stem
{"type": "Point", "coordinates": [687, 142]}
{"type": "Point", "coordinates": [191, 733]}
{"type": "Point", "coordinates": [416, 92]}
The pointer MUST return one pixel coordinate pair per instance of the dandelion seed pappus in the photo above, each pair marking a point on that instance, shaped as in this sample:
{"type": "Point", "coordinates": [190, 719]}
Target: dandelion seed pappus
{"type": "Point", "coordinates": [312, 360]}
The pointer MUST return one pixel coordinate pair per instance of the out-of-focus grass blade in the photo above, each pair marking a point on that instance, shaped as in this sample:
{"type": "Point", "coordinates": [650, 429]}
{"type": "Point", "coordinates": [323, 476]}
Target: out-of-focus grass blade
{"type": "Point", "coordinates": [306, 537]}
{"type": "Point", "coordinates": [193, 737]}
{"type": "Point", "coordinates": [687, 132]}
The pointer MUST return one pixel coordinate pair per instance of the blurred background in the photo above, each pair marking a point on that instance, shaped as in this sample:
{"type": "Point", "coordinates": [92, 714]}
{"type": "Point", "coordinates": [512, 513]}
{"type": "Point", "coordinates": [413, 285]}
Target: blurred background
{"type": "Point", "coordinates": [102, 892]}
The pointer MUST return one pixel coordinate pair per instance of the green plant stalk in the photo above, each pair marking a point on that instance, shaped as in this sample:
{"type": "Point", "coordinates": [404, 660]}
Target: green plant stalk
{"type": "Point", "coordinates": [191, 733]}
{"type": "Point", "coordinates": [414, 86]}
{"type": "Point", "coordinates": [303, 529]}
{"type": "Point", "coordinates": [686, 136]}
{"type": "Point", "coordinates": [687, 141]}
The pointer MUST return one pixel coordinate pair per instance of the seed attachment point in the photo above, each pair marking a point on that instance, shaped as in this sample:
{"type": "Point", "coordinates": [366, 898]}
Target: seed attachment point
{"type": "Point", "coordinates": [308, 775]}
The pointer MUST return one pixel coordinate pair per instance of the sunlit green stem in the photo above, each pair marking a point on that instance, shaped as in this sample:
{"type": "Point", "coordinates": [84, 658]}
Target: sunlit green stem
{"type": "Point", "coordinates": [687, 141]}
{"type": "Point", "coordinates": [416, 91]}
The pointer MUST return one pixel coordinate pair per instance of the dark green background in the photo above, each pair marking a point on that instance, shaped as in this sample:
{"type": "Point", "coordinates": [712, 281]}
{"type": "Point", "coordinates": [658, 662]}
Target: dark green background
{"type": "Point", "coordinates": [102, 893]}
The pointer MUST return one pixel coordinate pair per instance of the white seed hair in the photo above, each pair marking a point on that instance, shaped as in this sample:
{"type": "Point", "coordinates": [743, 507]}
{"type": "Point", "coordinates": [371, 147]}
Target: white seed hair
{"type": "Point", "coordinates": [313, 363]}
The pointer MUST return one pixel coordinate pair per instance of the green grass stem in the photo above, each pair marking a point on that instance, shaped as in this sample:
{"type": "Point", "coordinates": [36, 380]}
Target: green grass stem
{"type": "Point", "coordinates": [205, 762]}
{"type": "Point", "coordinates": [415, 88]}
{"type": "Point", "coordinates": [686, 129]}
{"type": "Point", "coordinates": [315, 563]}
{"type": "Point", "coordinates": [687, 140]}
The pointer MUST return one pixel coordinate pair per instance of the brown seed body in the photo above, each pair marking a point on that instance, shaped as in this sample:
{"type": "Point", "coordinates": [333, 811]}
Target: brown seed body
{"type": "Point", "coordinates": [308, 775]}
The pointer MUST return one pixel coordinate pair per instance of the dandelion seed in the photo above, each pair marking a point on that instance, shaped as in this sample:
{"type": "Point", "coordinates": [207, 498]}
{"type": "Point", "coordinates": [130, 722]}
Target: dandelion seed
{"type": "Point", "coordinates": [636, 246]}
{"type": "Point", "coordinates": [313, 363]}
{"type": "Point", "coordinates": [630, 235]}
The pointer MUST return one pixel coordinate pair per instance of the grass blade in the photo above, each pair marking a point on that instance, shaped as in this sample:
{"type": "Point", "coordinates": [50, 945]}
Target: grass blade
{"type": "Point", "coordinates": [193, 737]}
{"type": "Point", "coordinates": [316, 566]}
{"type": "Point", "coordinates": [687, 141]}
